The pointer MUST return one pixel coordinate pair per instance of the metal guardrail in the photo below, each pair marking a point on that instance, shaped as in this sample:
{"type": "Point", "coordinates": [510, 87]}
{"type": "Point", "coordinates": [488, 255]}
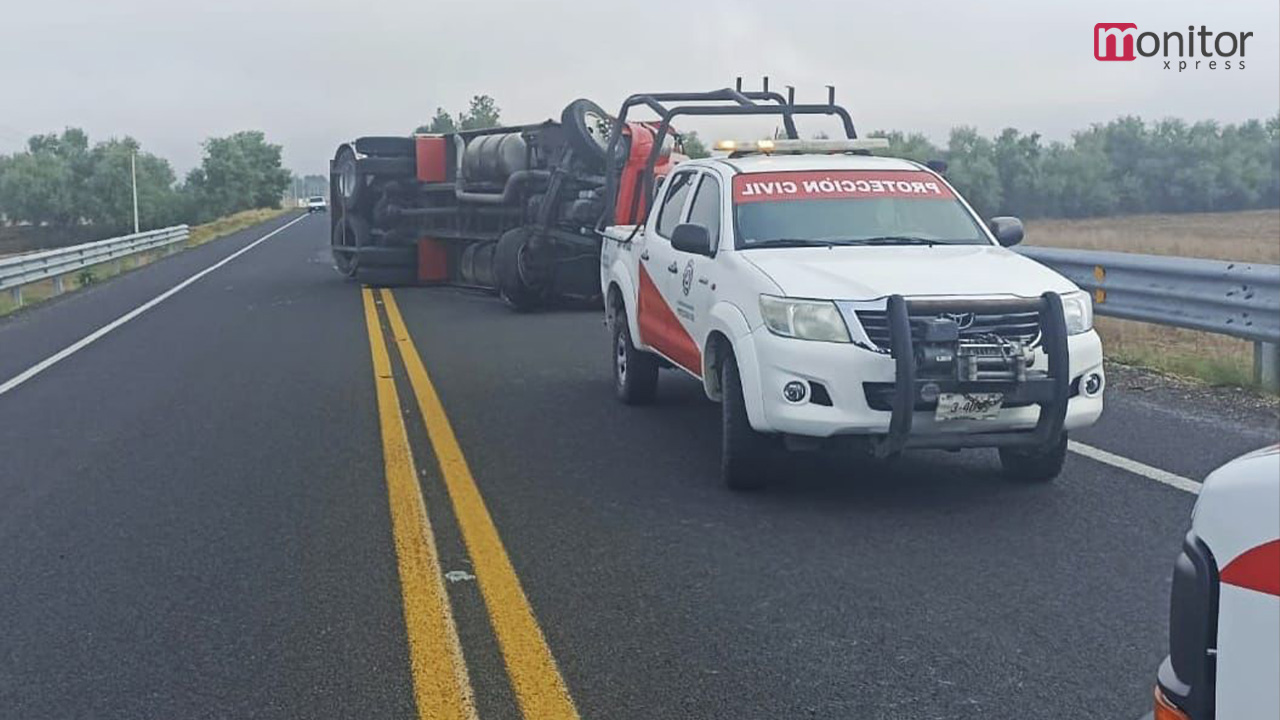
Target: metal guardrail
{"type": "Point", "coordinates": [1228, 298]}
{"type": "Point", "coordinates": [24, 269]}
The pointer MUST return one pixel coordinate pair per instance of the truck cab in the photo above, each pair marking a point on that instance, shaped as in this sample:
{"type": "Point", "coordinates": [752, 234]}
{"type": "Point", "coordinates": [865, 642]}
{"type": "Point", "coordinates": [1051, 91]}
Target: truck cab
{"type": "Point", "coordinates": [822, 294]}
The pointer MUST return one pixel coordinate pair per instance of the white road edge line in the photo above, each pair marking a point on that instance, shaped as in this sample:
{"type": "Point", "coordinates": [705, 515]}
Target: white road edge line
{"type": "Point", "coordinates": [1133, 466]}
{"type": "Point", "coordinates": [83, 342]}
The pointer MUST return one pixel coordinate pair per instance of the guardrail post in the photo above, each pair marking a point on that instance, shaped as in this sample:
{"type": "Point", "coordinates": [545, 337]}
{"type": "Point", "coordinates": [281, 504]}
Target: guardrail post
{"type": "Point", "coordinates": [57, 285]}
{"type": "Point", "coordinates": [17, 296]}
{"type": "Point", "coordinates": [1266, 365]}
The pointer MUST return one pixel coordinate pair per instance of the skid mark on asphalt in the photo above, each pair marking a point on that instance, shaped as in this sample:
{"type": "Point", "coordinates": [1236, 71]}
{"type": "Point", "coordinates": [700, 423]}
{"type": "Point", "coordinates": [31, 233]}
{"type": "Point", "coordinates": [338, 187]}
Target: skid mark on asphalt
{"type": "Point", "coordinates": [535, 678]}
{"type": "Point", "coordinates": [441, 686]}
{"type": "Point", "coordinates": [85, 341]}
{"type": "Point", "coordinates": [1135, 467]}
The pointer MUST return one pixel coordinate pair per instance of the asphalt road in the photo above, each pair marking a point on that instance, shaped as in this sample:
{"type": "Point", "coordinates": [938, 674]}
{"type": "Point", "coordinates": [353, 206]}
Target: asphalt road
{"type": "Point", "coordinates": [196, 521]}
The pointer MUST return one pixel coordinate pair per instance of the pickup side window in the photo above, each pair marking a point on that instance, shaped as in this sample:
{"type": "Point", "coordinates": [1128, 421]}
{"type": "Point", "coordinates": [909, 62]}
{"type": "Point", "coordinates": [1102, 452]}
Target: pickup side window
{"type": "Point", "coordinates": [677, 192]}
{"type": "Point", "coordinates": [706, 208]}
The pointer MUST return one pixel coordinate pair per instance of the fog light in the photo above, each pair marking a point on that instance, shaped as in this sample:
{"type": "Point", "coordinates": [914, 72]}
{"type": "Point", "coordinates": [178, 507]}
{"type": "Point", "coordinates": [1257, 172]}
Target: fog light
{"type": "Point", "coordinates": [794, 391]}
{"type": "Point", "coordinates": [1092, 384]}
{"type": "Point", "coordinates": [929, 392]}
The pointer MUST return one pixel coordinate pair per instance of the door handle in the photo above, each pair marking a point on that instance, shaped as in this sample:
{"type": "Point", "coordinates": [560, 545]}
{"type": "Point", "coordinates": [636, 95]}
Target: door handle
{"type": "Point", "coordinates": [674, 267]}
{"type": "Point", "coordinates": [644, 255]}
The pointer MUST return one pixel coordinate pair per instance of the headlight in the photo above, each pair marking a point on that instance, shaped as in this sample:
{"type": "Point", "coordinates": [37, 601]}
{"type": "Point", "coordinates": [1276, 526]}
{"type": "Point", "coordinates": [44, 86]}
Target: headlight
{"type": "Point", "coordinates": [804, 319]}
{"type": "Point", "coordinates": [1077, 308]}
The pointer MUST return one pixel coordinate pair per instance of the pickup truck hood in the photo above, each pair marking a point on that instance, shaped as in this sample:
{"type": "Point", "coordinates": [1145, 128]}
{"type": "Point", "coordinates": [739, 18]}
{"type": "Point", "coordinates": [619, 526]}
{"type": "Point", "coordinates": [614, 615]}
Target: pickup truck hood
{"type": "Point", "coordinates": [865, 273]}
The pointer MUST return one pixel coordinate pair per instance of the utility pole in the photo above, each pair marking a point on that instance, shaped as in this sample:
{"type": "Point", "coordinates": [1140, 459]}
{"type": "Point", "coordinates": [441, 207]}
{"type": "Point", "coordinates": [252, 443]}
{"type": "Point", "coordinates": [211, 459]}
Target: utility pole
{"type": "Point", "coordinates": [133, 172]}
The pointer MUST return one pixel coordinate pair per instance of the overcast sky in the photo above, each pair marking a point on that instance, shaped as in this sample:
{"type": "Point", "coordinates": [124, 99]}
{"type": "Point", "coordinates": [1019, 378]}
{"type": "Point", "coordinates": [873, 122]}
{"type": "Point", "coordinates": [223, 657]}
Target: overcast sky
{"type": "Point", "coordinates": [313, 73]}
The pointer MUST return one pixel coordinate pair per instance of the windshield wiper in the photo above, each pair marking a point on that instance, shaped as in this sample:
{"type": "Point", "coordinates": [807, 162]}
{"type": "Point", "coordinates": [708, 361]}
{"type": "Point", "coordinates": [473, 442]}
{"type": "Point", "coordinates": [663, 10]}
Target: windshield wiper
{"type": "Point", "coordinates": [788, 242]}
{"type": "Point", "coordinates": [886, 240]}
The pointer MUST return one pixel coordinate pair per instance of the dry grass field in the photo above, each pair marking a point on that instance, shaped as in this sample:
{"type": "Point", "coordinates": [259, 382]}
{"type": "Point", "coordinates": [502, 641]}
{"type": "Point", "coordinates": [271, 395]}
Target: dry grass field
{"type": "Point", "coordinates": [1252, 236]}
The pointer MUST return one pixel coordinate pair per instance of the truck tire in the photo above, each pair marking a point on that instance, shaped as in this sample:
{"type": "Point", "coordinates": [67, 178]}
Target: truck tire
{"type": "Point", "coordinates": [587, 127]}
{"type": "Point", "coordinates": [516, 283]}
{"type": "Point", "coordinates": [635, 372]}
{"type": "Point", "coordinates": [350, 233]}
{"type": "Point", "coordinates": [352, 185]}
{"type": "Point", "coordinates": [1036, 464]}
{"type": "Point", "coordinates": [744, 453]}
{"type": "Point", "coordinates": [400, 257]}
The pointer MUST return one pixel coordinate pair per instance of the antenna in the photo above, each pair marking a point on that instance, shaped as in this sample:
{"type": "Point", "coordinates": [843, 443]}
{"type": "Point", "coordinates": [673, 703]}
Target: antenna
{"type": "Point", "coordinates": [831, 94]}
{"type": "Point", "coordinates": [791, 94]}
{"type": "Point", "coordinates": [738, 84]}
{"type": "Point", "coordinates": [765, 83]}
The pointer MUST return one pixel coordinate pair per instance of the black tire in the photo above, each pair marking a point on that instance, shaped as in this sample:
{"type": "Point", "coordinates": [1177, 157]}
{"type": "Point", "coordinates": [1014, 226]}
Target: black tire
{"type": "Point", "coordinates": [517, 282]}
{"type": "Point", "coordinates": [350, 233]}
{"type": "Point", "coordinates": [352, 185]}
{"type": "Point", "coordinates": [386, 146]}
{"type": "Point", "coordinates": [386, 276]}
{"type": "Point", "coordinates": [635, 372]}
{"type": "Point", "coordinates": [744, 453]}
{"type": "Point", "coordinates": [1037, 464]}
{"type": "Point", "coordinates": [587, 128]}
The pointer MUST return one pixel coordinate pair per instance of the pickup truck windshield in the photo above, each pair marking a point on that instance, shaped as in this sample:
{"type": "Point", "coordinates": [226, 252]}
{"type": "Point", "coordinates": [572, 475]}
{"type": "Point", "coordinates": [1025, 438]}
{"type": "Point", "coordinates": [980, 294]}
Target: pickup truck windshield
{"type": "Point", "coordinates": [849, 208]}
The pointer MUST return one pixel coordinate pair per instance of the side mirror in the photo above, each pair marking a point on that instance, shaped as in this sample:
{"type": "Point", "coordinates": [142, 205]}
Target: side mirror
{"type": "Point", "coordinates": [938, 166]}
{"type": "Point", "coordinates": [691, 238]}
{"type": "Point", "coordinates": [1008, 230]}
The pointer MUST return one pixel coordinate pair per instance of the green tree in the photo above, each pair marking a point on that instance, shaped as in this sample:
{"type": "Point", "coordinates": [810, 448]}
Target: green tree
{"type": "Point", "coordinates": [693, 145]}
{"type": "Point", "coordinates": [440, 124]}
{"type": "Point", "coordinates": [913, 147]}
{"type": "Point", "coordinates": [972, 169]}
{"type": "Point", "coordinates": [483, 113]}
{"type": "Point", "coordinates": [46, 184]}
{"type": "Point", "coordinates": [238, 172]}
{"type": "Point", "coordinates": [110, 189]}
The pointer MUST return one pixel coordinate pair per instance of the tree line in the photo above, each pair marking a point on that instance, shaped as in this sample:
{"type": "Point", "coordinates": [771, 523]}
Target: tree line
{"type": "Point", "coordinates": [1126, 166]}
{"type": "Point", "coordinates": [63, 180]}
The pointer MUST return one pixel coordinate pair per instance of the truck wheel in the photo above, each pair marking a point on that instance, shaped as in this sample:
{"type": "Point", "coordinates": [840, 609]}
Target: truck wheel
{"type": "Point", "coordinates": [349, 234]}
{"type": "Point", "coordinates": [587, 127]}
{"type": "Point", "coordinates": [386, 146]}
{"type": "Point", "coordinates": [744, 453]}
{"type": "Point", "coordinates": [635, 372]}
{"type": "Point", "coordinates": [1036, 464]}
{"type": "Point", "coordinates": [518, 282]}
{"type": "Point", "coordinates": [352, 186]}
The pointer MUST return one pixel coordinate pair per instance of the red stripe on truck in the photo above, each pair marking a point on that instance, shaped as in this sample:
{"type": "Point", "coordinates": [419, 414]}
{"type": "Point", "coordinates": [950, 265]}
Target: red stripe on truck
{"type": "Point", "coordinates": [662, 330]}
{"type": "Point", "coordinates": [1257, 569]}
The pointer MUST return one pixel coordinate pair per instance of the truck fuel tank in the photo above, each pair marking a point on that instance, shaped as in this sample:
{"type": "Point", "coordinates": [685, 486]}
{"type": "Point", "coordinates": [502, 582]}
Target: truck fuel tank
{"type": "Point", "coordinates": [494, 158]}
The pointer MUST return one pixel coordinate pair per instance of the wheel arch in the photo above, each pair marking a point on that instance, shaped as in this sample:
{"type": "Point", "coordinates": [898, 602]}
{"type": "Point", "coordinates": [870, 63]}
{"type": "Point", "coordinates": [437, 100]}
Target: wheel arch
{"type": "Point", "coordinates": [729, 334]}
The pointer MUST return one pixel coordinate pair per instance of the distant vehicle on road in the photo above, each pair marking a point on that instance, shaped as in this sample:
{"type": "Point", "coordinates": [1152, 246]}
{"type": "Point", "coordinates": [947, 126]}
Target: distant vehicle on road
{"type": "Point", "coordinates": [819, 292]}
{"type": "Point", "coordinates": [1224, 609]}
{"type": "Point", "coordinates": [317, 204]}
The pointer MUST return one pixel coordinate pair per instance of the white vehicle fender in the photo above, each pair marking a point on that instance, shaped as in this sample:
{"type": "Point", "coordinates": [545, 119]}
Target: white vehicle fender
{"type": "Point", "coordinates": [619, 277]}
{"type": "Point", "coordinates": [726, 321]}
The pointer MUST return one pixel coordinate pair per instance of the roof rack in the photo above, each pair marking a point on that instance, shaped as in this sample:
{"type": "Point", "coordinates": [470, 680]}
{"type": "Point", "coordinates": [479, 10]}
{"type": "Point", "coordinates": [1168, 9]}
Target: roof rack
{"type": "Point", "coordinates": [724, 102]}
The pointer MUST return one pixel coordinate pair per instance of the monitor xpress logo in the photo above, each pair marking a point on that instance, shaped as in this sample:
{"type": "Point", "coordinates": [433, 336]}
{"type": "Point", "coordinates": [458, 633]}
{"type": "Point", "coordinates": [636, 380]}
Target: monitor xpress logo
{"type": "Point", "coordinates": [1194, 49]}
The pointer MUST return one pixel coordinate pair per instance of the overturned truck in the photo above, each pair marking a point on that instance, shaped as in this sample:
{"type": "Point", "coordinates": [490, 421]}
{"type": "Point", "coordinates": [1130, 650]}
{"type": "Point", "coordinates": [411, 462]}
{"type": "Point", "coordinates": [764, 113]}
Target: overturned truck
{"type": "Point", "coordinates": [513, 209]}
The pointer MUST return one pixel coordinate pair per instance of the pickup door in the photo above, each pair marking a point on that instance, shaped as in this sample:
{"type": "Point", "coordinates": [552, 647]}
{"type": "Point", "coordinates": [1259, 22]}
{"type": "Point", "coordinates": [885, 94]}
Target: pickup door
{"type": "Point", "coordinates": [674, 287]}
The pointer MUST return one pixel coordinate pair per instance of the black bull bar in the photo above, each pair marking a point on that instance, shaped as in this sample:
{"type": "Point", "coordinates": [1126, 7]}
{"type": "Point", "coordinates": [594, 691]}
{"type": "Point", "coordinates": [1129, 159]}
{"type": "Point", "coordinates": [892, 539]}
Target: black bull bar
{"type": "Point", "coordinates": [1053, 403]}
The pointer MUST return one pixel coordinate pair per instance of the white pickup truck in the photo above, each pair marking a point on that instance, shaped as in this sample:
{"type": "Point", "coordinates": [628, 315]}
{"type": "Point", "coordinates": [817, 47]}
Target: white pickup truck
{"type": "Point", "coordinates": [820, 292]}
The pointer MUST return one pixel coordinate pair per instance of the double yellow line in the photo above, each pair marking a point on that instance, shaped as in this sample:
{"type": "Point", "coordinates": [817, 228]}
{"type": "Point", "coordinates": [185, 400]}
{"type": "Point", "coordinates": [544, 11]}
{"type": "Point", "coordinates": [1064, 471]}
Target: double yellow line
{"type": "Point", "coordinates": [441, 685]}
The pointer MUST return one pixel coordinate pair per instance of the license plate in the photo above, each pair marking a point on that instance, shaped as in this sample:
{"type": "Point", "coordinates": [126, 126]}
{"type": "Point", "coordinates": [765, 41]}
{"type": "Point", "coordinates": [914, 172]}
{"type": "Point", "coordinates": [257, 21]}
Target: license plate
{"type": "Point", "coordinates": [968, 406]}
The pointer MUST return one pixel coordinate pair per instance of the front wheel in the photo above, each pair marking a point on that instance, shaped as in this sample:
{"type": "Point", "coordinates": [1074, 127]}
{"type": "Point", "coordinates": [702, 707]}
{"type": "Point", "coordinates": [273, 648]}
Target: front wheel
{"type": "Point", "coordinates": [744, 453]}
{"type": "Point", "coordinates": [1036, 463]}
{"type": "Point", "coordinates": [635, 372]}
{"type": "Point", "coordinates": [519, 281]}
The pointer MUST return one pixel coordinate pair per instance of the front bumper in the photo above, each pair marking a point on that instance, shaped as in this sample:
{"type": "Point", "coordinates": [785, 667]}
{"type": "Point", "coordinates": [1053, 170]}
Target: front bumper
{"type": "Point", "coordinates": [867, 398]}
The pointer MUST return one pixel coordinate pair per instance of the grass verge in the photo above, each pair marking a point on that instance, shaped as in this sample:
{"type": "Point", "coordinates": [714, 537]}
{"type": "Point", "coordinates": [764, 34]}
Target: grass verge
{"type": "Point", "coordinates": [38, 292]}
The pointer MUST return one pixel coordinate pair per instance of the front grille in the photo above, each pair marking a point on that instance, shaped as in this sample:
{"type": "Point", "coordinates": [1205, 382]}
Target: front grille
{"type": "Point", "coordinates": [1009, 319]}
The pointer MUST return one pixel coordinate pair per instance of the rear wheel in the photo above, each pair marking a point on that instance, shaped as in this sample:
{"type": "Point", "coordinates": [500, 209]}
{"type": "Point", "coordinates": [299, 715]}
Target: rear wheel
{"type": "Point", "coordinates": [635, 372]}
{"type": "Point", "coordinates": [1035, 464]}
{"type": "Point", "coordinates": [352, 186]}
{"type": "Point", "coordinates": [521, 283]}
{"type": "Point", "coordinates": [349, 234]}
{"type": "Point", "coordinates": [744, 453]}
